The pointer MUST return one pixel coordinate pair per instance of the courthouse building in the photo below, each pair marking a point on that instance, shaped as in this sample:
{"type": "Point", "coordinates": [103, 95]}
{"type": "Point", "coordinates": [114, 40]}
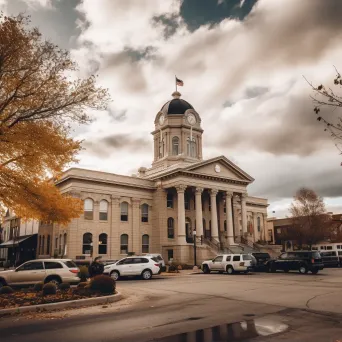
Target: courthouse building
{"type": "Point", "coordinates": [158, 209]}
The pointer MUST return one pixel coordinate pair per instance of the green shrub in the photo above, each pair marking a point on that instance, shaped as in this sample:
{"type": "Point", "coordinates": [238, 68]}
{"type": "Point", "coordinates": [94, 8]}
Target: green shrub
{"type": "Point", "coordinates": [83, 274]}
{"type": "Point", "coordinates": [38, 287]}
{"type": "Point", "coordinates": [49, 289]}
{"type": "Point", "coordinates": [103, 284]}
{"type": "Point", "coordinates": [64, 286]}
{"type": "Point", "coordinates": [6, 290]}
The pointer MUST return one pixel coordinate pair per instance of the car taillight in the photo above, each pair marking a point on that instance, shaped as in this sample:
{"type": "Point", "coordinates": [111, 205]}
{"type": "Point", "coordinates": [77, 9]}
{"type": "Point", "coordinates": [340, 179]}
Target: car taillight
{"type": "Point", "coordinates": [74, 271]}
{"type": "Point", "coordinates": [242, 264]}
{"type": "Point", "coordinates": [157, 265]}
{"type": "Point", "coordinates": [312, 261]}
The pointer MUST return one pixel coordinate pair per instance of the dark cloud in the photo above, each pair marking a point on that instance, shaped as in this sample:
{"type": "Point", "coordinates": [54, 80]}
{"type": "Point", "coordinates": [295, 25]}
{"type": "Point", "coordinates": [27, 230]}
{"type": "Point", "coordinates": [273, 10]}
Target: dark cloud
{"type": "Point", "coordinates": [286, 125]}
{"type": "Point", "coordinates": [123, 142]}
{"type": "Point", "coordinates": [255, 92]}
{"type": "Point", "coordinates": [169, 22]}
{"type": "Point", "coordinates": [203, 12]}
{"type": "Point", "coordinates": [116, 115]}
{"type": "Point", "coordinates": [57, 25]}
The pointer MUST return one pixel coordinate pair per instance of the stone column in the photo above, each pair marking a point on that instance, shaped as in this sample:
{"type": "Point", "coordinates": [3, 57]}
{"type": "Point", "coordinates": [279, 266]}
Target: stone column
{"type": "Point", "coordinates": [244, 214]}
{"type": "Point", "coordinates": [136, 219]}
{"type": "Point", "coordinates": [181, 214]}
{"type": "Point", "coordinates": [229, 215]}
{"type": "Point", "coordinates": [214, 225]}
{"type": "Point", "coordinates": [199, 216]}
{"type": "Point", "coordinates": [255, 226]}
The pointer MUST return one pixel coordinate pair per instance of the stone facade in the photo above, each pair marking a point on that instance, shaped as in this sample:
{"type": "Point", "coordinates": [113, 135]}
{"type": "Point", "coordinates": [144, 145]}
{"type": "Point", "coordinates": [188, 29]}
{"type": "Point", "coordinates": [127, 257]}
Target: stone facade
{"type": "Point", "coordinates": [157, 210]}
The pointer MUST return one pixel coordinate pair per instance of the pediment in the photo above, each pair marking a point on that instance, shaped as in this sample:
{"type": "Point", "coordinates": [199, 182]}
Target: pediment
{"type": "Point", "coordinates": [220, 167]}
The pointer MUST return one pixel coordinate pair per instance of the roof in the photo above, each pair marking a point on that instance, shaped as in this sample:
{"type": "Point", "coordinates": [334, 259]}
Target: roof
{"type": "Point", "coordinates": [176, 106]}
{"type": "Point", "coordinates": [15, 242]}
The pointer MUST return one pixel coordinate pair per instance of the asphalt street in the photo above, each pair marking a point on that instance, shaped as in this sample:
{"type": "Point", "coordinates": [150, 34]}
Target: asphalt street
{"type": "Point", "coordinates": [285, 307]}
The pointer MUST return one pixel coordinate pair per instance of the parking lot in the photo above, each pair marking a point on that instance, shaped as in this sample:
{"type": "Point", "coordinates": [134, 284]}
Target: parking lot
{"type": "Point", "coordinates": [310, 305]}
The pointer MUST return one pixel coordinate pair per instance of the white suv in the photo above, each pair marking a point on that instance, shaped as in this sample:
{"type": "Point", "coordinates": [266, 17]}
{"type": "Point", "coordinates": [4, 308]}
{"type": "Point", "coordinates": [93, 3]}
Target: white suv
{"type": "Point", "coordinates": [143, 266]}
{"type": "Point", "coordinates": [43, 270]}
{"type": "Point", "coordinates": [230, 263]}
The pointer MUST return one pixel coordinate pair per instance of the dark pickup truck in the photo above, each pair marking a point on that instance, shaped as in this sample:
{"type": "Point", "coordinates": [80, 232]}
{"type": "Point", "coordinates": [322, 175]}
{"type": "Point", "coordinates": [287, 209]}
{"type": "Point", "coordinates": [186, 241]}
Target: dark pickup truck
{"type": "Point", "coordinates": [330, 259]}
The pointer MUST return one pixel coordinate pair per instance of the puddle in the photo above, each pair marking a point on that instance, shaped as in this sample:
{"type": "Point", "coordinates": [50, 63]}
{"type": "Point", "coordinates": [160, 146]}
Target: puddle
{"type": "Point", "coordinates": [239, 331]}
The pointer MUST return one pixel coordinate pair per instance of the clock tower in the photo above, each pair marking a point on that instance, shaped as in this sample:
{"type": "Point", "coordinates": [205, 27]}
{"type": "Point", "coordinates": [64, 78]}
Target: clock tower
{"type": "Point", "coordinates": [177, 135]}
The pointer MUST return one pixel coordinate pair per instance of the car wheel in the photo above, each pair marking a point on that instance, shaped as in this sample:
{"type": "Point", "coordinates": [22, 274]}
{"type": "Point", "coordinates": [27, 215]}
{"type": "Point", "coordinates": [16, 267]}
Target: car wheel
{"type": "Point", "coordinates": [303, 269]}
{"type": "Point", "coordinates": [206, 269]}
{"type": "Point", "coordinates": [56, 281]}
{"type": "Point", "coordinates": [314, 271]}
{"type": "Point", "coordinates": [146, 275]}
{"type": "Point", "coordinates": [115, 275]}
{"type": "Point", "coordinates": [230, 270]}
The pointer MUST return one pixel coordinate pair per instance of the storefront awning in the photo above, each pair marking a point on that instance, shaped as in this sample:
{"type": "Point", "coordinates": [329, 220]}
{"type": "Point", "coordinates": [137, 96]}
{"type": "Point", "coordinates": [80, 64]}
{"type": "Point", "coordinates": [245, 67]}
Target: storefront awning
{"type": "Point", "coordinates": [16, 242]}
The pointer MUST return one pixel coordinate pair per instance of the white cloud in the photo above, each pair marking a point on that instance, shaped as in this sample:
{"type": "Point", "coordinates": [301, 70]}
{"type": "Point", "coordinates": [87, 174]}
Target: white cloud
{"type": "Point", "coordinates": [36, 4]}
{"type": "Point", "coordinates": [275, 135]}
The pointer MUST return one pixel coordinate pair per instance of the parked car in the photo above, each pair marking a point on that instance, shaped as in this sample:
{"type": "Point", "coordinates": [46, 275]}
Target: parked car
{"type": "Point", "coordinates": [48, 271]}
{"type": "Point", "coordinates": [261, 261]}
{"type": "Point", "coordinates": [143, 266]}
{"type": "Point", "coordinates": [159, 259]}
{"type": "Point", "coordinates": [302, 261]}
{"type": "Point", "coordinates": [330, 258]}
{"type": "Point", "coordinates": [230, 263]}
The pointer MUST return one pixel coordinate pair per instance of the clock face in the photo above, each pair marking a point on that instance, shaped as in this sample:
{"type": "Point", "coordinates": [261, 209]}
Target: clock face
{"type": "Point", "coordinates": [161, 119]}
{"type": "Point", "coordinates": [191, 119]}
{"type": "Point", "coordinates": [217, 168]}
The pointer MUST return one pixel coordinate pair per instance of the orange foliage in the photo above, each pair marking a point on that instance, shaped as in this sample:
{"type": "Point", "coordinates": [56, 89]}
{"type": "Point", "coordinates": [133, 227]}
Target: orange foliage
{"type": "Point", "coordinates": [38, 102]}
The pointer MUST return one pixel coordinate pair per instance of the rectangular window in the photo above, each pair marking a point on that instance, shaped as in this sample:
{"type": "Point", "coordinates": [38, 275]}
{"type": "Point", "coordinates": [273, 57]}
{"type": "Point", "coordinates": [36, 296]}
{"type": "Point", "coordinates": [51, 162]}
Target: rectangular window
{"type": "Point", "coordinates": [329, 248]}
{"type": "Point", "coordinates": [169, 201]}
{"type": "Point", "coordinates": [187, 202]}
{"type": "Point", "coordinates": [169, 254]}
{"type": "Point", "coordinates": [103, 216]}
{"type": "Point", "coordinates": [228, 258]}
{"type": "Point", "coordinates": [236, 258]}
{"type": "Point", "coordinates": [70, 264]}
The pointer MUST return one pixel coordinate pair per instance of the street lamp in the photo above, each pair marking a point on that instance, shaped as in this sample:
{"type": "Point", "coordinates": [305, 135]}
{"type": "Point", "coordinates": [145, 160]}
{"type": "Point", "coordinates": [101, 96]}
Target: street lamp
{"type": "Point", "coordinates": [195, 256]}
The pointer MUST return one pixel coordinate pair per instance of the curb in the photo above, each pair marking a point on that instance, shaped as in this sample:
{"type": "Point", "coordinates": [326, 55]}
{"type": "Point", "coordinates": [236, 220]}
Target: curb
{"type": "Point", "coordinates": [71, 304]}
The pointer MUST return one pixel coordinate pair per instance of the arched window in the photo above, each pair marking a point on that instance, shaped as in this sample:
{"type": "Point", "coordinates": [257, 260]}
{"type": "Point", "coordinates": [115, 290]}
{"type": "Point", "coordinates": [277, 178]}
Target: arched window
{"type": "Point", "coordinates": [225, 225]}
{"type": "Point", "coordinates": [169, 201]}
{"type": "Point", "coordinates": [60, 245]}
{"type": "Point", "coordinates": [191, 147]}
{"type": "Point", "coordinates": [43, 245]}
{"type": "Point", "coordinates": [145, 247]}
{"type": "Point", "coordinates": [259, 224]}
{"type": "Point", "coordinates": [187, 201]}
{"type": "Point", "coordinates": [48, 242]}
{"type": "Point", "coordinates": [124, 244]}
{"type": "Point", "coordinates": [124, 211]}
{"type": "Point", "coordinates": [65, 244]}
{"type": "Point", "coordinates": [175, 146]}
{"type": "Point", "coordinates": [224, 206]}
{"type": "Point", "coordinates": [103, 243]}
{"type": "Point", "coordinates": [170, 228]}
{"type": "Point", "coordinates": [87, 243]}
{"type": "Point", "coordinates": [88, 209]}
{"type": "Point", "coordinates": [103, 215]}
{"type": "Point", "coordinates": [144, 213]}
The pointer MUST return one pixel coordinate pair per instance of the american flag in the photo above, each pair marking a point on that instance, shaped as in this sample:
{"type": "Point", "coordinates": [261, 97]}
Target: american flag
{"type": "Point", "coordinates": [179, 82]}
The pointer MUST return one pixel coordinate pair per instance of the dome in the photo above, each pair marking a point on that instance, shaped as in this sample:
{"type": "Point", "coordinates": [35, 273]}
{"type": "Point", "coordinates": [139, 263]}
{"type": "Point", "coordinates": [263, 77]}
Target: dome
{"type": "Point", "coordinates": [176, 105]}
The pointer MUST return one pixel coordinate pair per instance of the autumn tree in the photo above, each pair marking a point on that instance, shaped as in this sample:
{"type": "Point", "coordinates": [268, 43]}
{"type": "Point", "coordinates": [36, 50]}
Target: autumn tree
{"type": "Point", "coordinates": [40, 97]}
{"type": "Point", "coordinates": [310, 222]}
{"type": "Point", "coordinates": [327, 99]}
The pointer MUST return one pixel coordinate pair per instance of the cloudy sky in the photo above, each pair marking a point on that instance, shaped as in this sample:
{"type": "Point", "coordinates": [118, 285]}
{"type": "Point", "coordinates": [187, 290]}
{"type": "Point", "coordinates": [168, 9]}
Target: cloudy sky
{"type": "Point", "coordinates": [242, 63]}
